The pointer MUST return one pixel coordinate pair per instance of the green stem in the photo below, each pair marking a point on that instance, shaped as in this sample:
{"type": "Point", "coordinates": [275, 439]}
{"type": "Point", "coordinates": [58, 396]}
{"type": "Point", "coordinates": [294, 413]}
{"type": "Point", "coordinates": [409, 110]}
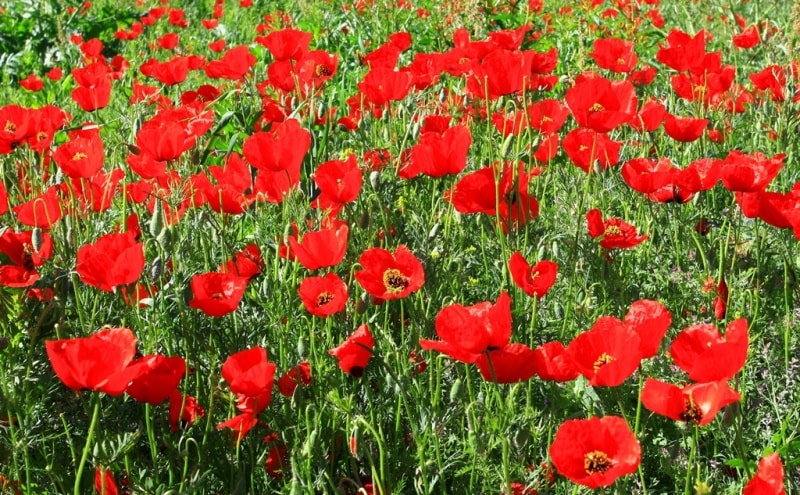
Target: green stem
{"type": "Point", "coordinates": [89, 441]}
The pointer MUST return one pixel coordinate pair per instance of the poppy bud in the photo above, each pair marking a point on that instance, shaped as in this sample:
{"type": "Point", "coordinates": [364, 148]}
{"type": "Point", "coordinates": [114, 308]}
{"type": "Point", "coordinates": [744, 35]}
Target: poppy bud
{"type": "Point", "coordinates": [375, 180]}
{"type": "Point", "coordinates": [36, 239]}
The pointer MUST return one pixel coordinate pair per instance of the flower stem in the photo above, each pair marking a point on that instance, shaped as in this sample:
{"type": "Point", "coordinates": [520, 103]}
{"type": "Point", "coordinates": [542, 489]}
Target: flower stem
{"type": "Point", "coordinates": [88, 445]}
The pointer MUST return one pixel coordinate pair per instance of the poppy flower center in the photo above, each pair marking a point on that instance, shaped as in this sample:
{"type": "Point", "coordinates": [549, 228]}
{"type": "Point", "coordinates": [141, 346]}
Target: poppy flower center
{"type": "Point", "coordinates": [79, 156]}
{"type": "Point", "coordinates": [596, 461]}
{"type": "Point", "coordinates": [604, 359]}
{"type": "Point", "coordinates": [324, 298]}
{"type": "Point", "coordinates": [691, 412]}
{"type": "Point", "coordinates": [613, 230]}
{"type": "Point", "coordinates": [394, 280]}
{"type": "Point", "coordinates": [597, 107]}
{"type": "Point", "coordinates": [320, 70]}
{"type": "Point", "coordinates": [41, 136]}
{"type": "Point", "coordinates": [10, 126]}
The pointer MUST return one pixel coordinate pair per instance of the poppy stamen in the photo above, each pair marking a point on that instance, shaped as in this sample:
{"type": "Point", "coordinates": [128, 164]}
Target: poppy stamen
{"type": "Point", "coordinates": [692, 412]}
{"type": "Point", "coordinates": [395, 281]}
{"type": "Point", "coordinates": [596, 461]}
{"type": "Point", "coordinates": [324, 298]}
{"type": "Point", "coordinates": [603, 359]}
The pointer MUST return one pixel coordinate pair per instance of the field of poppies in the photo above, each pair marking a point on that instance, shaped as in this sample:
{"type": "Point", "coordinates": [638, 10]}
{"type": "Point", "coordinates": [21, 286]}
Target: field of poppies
{"type": "Point", "coordinates": [372, 247]}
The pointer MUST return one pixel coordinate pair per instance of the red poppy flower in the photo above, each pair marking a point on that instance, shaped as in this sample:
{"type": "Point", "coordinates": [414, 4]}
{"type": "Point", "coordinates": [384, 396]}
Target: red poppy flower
{"type": "Point", "coordinates": [595, 452]}
{"type": "Point", "coordinates": [439, 152]}
{"type": "Point", "coordinates": [286, 43]}
{"type": "Point", "coordinates": [299, 375]}
{"type": "Point", "coordinates": [170, 72]}
{"type": "Point", "coordinates": [157, 377]}
{"type": "Point", "coordinates": [41, 211]}
{"type": "Point", "coordinates": [280, 151]}
{"type": "Point", "coordinates": [32, 83]}
{"type": "Point", "coordinates": [698, 403]}
{"type": "Point", "coordinates": [607, 354]}
{"type": "Point", "coordinates": [339, 182]}
{"type": "Point", "coordinates": [250, 374]}
{"type": "Point", "coordinates": [706, 356]}
{"type": "Point", "coordinates": [319, 248]}
{"type": "Point", "coordinates": [183, 409]}
{"type": "Point", "coordinates": [614, 54]}
{"type": "Point", "coordinates": [553, 363]}
{"type": "Point", "coordinates": [21, 249]}
{"type": "Point", "coordinates": [534, 281]}
{"type": "Point", "coordinates": [686, 129]}
{"type": "Point", "coordinates": [683, 51]}
{"type": "Point", "coordinates": [354, 353]}
{"type": "Point", "coordinates": [466, 332]}
{"type": "Point", "coordinates": [277, 458]}
{"type": "Point", "coordinates": [749, 172]}
{"type": "Point", "coordinates": [111, 261]}
{"type": "Point", "coordinates": [240, 425]}
{"type": "Point", "coordinates": [234, 64]}
{"type": "Point", "coordinates": [98, 362]}
{"type": "Point", "coordinates": [547, 115]}
{"type": "Point", "coordinates": [81, 156]}
{"type": "Point", "coordinates": [388, 275]}
{"type": "Point", "coordinates": [771, 78]}
{"type": "Point", "coordinates": [591, 150]}
{"type": "Point", "coordinates": [600, 104]}
{"type": "Point", "coordinates": [323, 296]}
{"type": "Point", "coordinates": [217, 294]}
{"type": "Point", "coordinates": [511, 363]}
{"type": "Point", "coordinates": [246, 263]}
{"type": "Point", "coordinates": [650, 320]}
{"type": "Point", "coordinates": [768, 479]}
{"type": "Point", "coordinates": [649, 117]}
{"type": "Point", "coordinates": [747, 38]}
{"type": "Point", "coordinates": [614, 232]}
{"type": "Point", "coordinates": [104, 482]}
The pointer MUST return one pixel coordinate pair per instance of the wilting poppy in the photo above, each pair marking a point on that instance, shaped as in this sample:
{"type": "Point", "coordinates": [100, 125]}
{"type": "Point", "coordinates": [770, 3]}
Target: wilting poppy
{"type": "Point", "coordinates": [217, 294]}
{"type": "Point", "coordinates": [706, 356]}
{"type": "Point", "coordinates": [466, 332]}
{"type": "Point", "coordinates": [277, 458]}
{"type": "Point", "coordinates": [156, 378]}
{"type": "Point", "coordinates": [768, 479]}
{"type": "Point", "coordinates": [388, 275]}
{"type": "Point", "coordinates": [607, 354]}
{"type": "Point", "coordinates": [595, 452]}
{"type": "Point", "coordinates": [613, 232]}
{"type": "Point", "coordinates": [354, 353]}
{"type": "Point", "coordinates": [323, 296]}
{"type": "Point", "coordinates": [535, 281]}
{"type": "Point", "coordinates": [98, 362]}
{"type": "Point", "coordinates": [698, 403]}
{"type": "Point", "coordinates": [111, 261]}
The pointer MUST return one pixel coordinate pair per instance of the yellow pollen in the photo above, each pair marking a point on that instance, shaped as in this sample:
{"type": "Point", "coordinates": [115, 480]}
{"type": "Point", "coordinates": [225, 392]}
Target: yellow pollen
{"type": "Point", "coordinates": [613, 230]}
{"type": "Point", "coordinates": [604, 359]}
{"type": "Point", "coordinates": [596, 461]}
{"type": "Point", "coordinates": [394, 280]}
{"type": "Point", "coordinates": [324, 298]}
{"type": "Point", "coordinates": [79, 156]}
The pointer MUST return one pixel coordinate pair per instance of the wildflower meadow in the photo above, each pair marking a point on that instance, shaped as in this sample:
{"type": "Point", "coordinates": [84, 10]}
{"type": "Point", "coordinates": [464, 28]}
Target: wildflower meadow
{"type": "Point", "coordinates": [399, 247]}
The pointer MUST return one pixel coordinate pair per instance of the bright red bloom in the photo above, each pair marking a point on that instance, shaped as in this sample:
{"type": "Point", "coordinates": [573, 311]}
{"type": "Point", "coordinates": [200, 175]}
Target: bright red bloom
{"type": "Point", "coordinates": [234, 64]}
{"type": "Point", "coordinates": [249, 373]}
{"type": "Point", "coordinates": [650, 320]}
{"type": "Point", "coordinates": [388, 275]}
{"type": "Point", "coordinates": [686, 129]}
{"type": "Point", "coordinates": [286, 44]}
{"type": "Point", "coordinates": [319, 248]}
{"type": "Point", "coordinates": [97, 362]}
{"type": "Point", "coordinates": [323, 296]}
{"type": "Point", "coordinates": [591, 150]}
{"type": "Point", "coordinates": [607, 354]}
{"type": "Point", "coordinates": [706, 356]}
{"type": "Point", "coordinates": [747, 38]}
{"type": "Point", "coordinates": [466, 332]}
{"type": "Point", "coordinates": [81, 156]}
{"type": "Point", "coordinates": [768, 479]}
{"type": "Point", "coordinates": [157, 377]}
{"type": "Point", "coordinates": [595, 452]}
{"type": "Point", "coordinates": [278, 155]}
{"type": "Point", "coordinates": [233, 190]}
{"type": "Point", "coordinates": [339, 182]}
{"type": "Point", "coordinates": [749, 172]}
{"type": "Point", "coordinates": [246, 263]}
{"type": "Point", "coordinates": [547, 116]}
{"type": "Point", "coordinates": [481, 192]}
{"type": "Point", "coordinates": [382, 85]}
{"type": "Point", "coordinates": [41, 211]}
{"type": "Point", "coordinates": [614, 54]}
{"type": "Point", "coordinates": [534, 281]}
{"type": "Point", "coordinates": [649, 117]}
{"type": "Point", "coordinates": [299, 375]}
{"type": "Point", "coordinates": [24, 256]}
{"type": "Point", "coordinates": [94, 86]}
{"type": "Point", "coordinates": [771, 78]}
{"type": "Point", "coordinates": [600, 104]}
{"type": "Point", "coordinates": [111, 261]}
{"type": "Point", "coordinates": [698, 403]}
{"type": "Point", "coordinates": [354, 353]}
{"type": "Point", "coordinates": [277, 458]}
{"type": "Point", "coordinates": [683, 51]}
{"type": "Point", "coordinates": [511, 363]}
{"type": "Point", "coordinates": [183, 408]}
{"type": "Point", "coordinates": [553, 363]}
{"type": "Point", "coordinates": [32, 83]}
{"type": "Point", "coordinates": [104, 482]}
{"type": "Point", "coordinates": [217, 294]}
{"type": "Point", "coordinates": [170, 72]}
{"type": "Point", "coordinates": [614, 232]}
{"type": "Point", "coordinates": [439, 152]}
